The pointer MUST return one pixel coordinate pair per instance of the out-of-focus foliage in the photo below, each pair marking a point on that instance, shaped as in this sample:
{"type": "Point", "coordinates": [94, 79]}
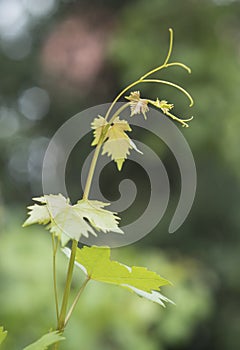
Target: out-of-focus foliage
{"type": "Point", "coordinates": [60, 57]}
{"type": "Point", "coordinates": [3, 334]}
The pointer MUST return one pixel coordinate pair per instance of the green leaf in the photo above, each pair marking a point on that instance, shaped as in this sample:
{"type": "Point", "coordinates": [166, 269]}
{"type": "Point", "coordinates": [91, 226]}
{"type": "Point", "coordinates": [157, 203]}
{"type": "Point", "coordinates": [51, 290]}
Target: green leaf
{"type": "Point", "coordinates": [95, 262]}
{"type": "Point", "coordinates": [3, 335]}
{"type": "Point", "coordinates": [71, 221]}
{"type": "Point", "coordinates": [45, 341]}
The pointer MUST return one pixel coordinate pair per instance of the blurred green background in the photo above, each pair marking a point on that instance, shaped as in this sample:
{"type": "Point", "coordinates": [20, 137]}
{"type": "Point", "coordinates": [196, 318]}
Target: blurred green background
{"type": "Point", "coordinates": [60, 57]}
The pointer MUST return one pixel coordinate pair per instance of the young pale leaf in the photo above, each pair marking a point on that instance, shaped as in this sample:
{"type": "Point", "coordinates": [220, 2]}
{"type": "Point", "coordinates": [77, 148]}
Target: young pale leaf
{"type": "Point", "coordinates": [99, 126]}
{"type": "Point", "coordinates": [117, 144]}
{"type": "Point", "coordinates": [45, 341]}
{"type": "Point", "coordinates": [95, 262]}
{"type": "Point", "coordinates": [71, 221]}
{"type": "Point", "coordinates": [3, 335]}
{"type": "Point", "coordinates": [118, 150]}
{"type": "Point", "coordinates": [39, 214]}
{"type": "Point", "coordinates": [138, 105]}
{"type": "Point", "coordinates": [101, 219]}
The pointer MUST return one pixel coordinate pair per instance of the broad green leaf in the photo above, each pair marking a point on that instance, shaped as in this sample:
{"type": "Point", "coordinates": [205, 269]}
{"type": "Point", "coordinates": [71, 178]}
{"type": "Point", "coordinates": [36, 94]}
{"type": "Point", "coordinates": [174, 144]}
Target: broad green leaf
{"type": "Point", "coordinates": [45, 341]}
{"type": "Point", "coordinates": [117, 144]}
{"type": "Point", "coordinates": [71, 221]}
{"type": "Point", "coordinates": [95, 262]}
{"type": "Point", "coordinates": [3, 335]}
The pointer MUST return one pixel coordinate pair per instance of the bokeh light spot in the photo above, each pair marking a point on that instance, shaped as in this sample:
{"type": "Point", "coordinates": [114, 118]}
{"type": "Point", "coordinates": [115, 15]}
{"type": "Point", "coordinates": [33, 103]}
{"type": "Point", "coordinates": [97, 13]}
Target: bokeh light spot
{"type": "Point", "coordinates": [34, 103]}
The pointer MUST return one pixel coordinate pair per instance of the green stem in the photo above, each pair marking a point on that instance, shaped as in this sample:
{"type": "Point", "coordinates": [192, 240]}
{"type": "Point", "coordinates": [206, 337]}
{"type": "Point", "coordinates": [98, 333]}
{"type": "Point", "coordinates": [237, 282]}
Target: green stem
{"type": "Point", "coordinates": [170, 46]}
{"type": "Point", "coordinates": [120, 95]}
{"type": "Point", "coordinates": [122, 108]}
{"type": "Point", "coordinates": [96, 154]}
{"type": "Point", "coordinates": [151, 81]}
{"type": "Point", "coordinates": [76, 300]}
{"type": "Point", "coordinates": [184, 66]}
{"type": "Point", "coordinates": [91, 171]}
{"type": "Point", "coordinates": [62, 316]}
{"type": "Point", "coordinates": [143, 78]}
{"type": "Point", "coordinates": [55, 246]}
{"type": "Point", "coordinates": [165, 64]}
{"type": "Point", "coordinates": [146, 75]}
{"type": "Point", "coordinates": [171, 84]}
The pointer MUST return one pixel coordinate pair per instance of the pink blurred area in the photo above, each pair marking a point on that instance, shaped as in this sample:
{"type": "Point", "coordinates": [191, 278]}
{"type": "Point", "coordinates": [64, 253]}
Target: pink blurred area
{"type": "Point", "coordinates": [73, 54]}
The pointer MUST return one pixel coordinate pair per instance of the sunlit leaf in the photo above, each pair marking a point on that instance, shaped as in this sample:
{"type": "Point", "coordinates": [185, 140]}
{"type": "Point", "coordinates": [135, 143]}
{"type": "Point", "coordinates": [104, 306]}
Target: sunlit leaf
{"type": "Point", "coordinates": [71, 221]}
{"type": "Point", "coordinates": [98, 126]}
{"type": "Point", "coordinates": [117, 143]}
{"type": "Point", "coordinates": [45, 341]}
{"type": "Point", "coordinates": [39, 214]}
{"type": "Point", "coordinates": [138, 105]}
{"type": "Point", "coordinates": [95, 262]}
{"type": "Point", "coordinates": [163, 105]}
{"type": "Point", "coordinates": [3, 334]}
{"type": "Point", "coordinates": [118, 150]}
{"type": "Point", "coordinates": [101, 219]}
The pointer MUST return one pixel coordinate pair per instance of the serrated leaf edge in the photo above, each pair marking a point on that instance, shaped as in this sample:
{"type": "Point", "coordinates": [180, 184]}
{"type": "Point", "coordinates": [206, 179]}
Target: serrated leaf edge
{"type": "Point", "coordinates": [154, 295]}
